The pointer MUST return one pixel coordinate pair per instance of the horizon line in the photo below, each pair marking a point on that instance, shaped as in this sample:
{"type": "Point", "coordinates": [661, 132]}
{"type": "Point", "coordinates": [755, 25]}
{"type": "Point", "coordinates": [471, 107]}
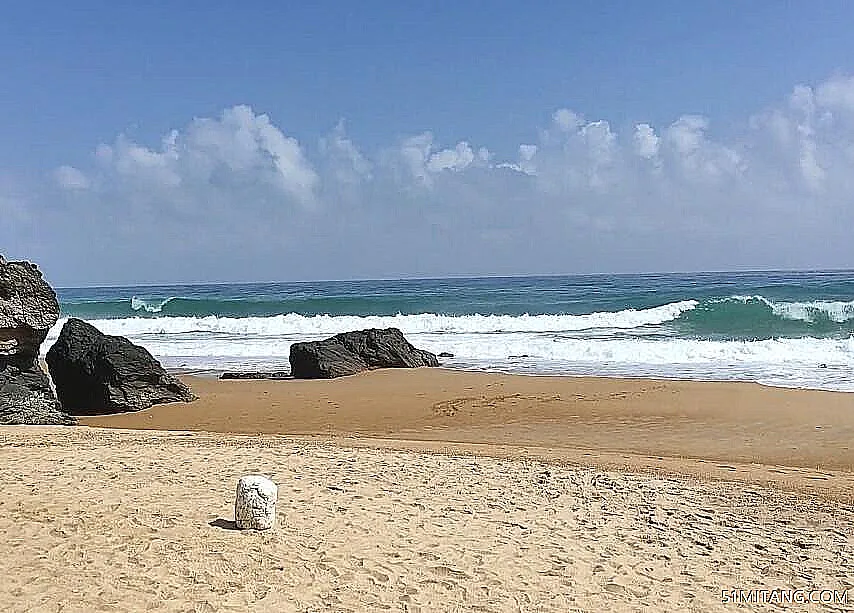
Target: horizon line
{"type": "Point", "coordinates": [459, 277]}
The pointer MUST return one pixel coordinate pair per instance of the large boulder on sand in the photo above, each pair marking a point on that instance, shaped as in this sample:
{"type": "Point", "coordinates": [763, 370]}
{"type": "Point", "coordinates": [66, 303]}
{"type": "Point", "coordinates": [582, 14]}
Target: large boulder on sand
{"type": "Point", "coordinates": [28, 309]}
{"type": "Point", "coordinates": [97, 373]}
{"type": "Point", "coordinates": [351, 352]}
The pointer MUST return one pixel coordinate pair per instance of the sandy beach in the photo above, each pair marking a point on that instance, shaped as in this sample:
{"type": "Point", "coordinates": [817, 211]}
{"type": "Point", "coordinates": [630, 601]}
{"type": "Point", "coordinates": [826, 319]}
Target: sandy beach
{"type": "Point", "coordinates": [432, 490]}
{"type": "Point", "coordinates": [581, 276]}
{"type": "Point", "coordinates": [97, 520]}
{"type": "Point", "coordinates": [797, 439]}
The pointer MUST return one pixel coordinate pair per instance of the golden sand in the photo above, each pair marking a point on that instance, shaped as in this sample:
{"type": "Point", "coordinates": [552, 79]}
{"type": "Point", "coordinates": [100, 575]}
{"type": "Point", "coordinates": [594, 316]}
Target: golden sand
{"type": "Point", "coordinates": [432, 490]}
{"type": "Point", "coordinates": [110, 520]}
{"type": "Point", "coordinates": [791, 438]}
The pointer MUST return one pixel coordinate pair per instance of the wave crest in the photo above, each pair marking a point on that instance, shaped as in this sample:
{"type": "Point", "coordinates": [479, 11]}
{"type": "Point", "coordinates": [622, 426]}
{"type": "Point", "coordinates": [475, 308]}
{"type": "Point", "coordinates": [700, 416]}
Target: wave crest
{"type": "Point", "coordinates": [294, 323]}
{"type": "Point", "coordinates": [148, 304]}
{"type": "Point", "coordinates": [837, 311]}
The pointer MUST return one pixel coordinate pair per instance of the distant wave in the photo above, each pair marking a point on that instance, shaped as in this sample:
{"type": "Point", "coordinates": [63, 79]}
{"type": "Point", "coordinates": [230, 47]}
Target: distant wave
{"type": "Point", "coordinates": [833, 310]}
{"type": "Point", "coordinates": [816, 310]}
{"type": "Point", "coordinates": [294, 323]}
{"type": "Point", "coordinates": [765, 330]}
{"type": "Point", "coordinates": [756, 317]}
{"type": "Point", "coordinates": [149, 305]}
{"type": "Point", "coordinates": [181, 306]}
{"type": "Point", "coordinates": [798, 344]}
{"type": "Point", "coordinates": [735, 315]}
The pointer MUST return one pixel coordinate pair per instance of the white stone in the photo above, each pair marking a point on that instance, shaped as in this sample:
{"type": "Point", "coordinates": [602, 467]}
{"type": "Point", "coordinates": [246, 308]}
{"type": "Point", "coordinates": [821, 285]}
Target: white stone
{"type": "Point", "coordinates": [255, 503]}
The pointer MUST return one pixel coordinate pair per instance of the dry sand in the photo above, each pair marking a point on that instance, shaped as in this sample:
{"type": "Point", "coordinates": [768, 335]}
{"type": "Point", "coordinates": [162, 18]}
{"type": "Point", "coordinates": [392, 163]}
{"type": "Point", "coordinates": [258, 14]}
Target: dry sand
{"type": "Point", "coordinates": [432, 490]}
{"type": "Point", "coordinates": [110, 520]}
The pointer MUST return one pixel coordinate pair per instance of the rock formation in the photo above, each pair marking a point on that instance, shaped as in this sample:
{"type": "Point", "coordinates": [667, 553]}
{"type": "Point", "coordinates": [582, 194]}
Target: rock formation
{"type": "Point", "coordinates": [97, 373]}
{"type": "Point", "coordinates": [351, 352]}
{"type": "Point", "coordinates": [255, 503]}
{"type": "Point", "coordinates": [28, 309]}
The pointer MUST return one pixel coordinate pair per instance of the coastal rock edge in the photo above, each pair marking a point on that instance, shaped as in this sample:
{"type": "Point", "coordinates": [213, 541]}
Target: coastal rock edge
{"type": "Point", "coordinates": [98, 373]}
{"type": "Point", "coordinates": [28, 309]}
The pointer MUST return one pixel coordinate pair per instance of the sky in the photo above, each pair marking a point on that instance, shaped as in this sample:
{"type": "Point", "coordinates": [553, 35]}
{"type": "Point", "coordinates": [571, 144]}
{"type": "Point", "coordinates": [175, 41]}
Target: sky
{"type": "Point", "coordinates": [264, 141]}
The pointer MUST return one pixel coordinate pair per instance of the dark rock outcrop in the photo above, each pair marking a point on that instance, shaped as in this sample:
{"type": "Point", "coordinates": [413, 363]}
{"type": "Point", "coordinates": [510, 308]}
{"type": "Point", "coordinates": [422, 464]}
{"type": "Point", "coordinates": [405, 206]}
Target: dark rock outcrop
{"type": "Point", "coordinates": [20, 405]}
{"type": "Point", "coordinates": [351, 352]}
{"type": "Point", "coordinates": [97, 373]}
{"type": "Point", "coordinates": [28, 309]}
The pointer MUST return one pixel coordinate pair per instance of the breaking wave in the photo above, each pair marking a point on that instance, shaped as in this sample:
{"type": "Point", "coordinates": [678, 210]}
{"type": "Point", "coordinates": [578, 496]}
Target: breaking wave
{"type": "Point", "coordinates": [294, 323]}
{"type": "Point", "coordinates": [149, 305]}
{"type": "Point", "coordinates": [790, 343]}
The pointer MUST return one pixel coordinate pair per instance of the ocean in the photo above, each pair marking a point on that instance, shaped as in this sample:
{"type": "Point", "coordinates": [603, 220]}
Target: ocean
{"type": "Point", "coordinates": [791, 329]}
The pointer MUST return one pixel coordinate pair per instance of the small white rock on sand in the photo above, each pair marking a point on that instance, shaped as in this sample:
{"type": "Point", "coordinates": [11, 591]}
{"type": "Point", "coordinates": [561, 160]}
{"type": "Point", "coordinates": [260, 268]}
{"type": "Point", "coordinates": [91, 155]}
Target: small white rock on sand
{"type": "Point", "coordinates": [97, 520]}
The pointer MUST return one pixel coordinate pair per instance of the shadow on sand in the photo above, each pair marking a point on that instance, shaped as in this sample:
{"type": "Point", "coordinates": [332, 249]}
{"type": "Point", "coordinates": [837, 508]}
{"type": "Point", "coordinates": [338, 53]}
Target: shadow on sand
{"type": "Point", "coordinates": [225, 524]}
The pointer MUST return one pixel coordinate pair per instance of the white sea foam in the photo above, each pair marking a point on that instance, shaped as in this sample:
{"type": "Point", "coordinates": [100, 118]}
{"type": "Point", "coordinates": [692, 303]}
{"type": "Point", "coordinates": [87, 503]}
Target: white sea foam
{"type": "Point", "coordinates": [613, 344]}
{"type": "Point", "coordinates": [806, 362]}
{"type": "Point", "coordinates": [148, 304]}
{"type": "Point", "coordinates": [744, 299]}
{"type": "Point", "coordinates": [837, 311]}
{"type": "Point", "coordinates": [802, 351]}
{"type": "Point", "coordinates": [293, 323]}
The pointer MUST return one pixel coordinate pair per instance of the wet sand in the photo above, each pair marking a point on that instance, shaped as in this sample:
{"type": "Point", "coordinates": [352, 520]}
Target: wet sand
{"type": "Point", "coordinates": [796, 439]}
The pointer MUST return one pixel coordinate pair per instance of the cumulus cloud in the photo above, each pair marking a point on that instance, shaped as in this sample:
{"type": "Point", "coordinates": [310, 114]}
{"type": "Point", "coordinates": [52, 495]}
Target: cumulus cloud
{"type": "Point", "coordinates": [583, 195]}
{"type": "Point", "coordinates": [458, 158]}
{"type": "Point", "coordinates": [347, 161]}
{"type": "Point", "coordinates": [239, 149]}
{"type": "Point", "coordinates": [647, 142]}
{"type": "Point", "coordinates": [70, 178]}
{"type": "Point", "coordinates": [343, 169]}
{"type": "Point", "coordinates": [421, 159]}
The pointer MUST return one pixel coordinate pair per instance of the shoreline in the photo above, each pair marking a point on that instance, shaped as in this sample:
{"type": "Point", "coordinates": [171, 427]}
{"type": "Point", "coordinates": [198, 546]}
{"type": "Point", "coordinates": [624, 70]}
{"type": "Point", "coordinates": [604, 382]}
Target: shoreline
{"type": "Point", "coordinates": [799, 440]}
{"type": "Point", "coordinates": [214, 373]}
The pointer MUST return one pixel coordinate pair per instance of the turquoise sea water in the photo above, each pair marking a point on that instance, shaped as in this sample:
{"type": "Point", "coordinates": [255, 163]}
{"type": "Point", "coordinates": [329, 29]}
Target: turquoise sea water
{"type": "Point", "coordinates": [779, 328]}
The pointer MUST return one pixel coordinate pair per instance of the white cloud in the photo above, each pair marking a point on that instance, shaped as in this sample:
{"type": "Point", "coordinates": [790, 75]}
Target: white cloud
{"type": "Point", "coordinates": [807, 144]}
{"type": "Point", "coordinates": [343, 169]}
{"type": "Point", "coordinates": [415, 152]}
{"type": "Point", "coordinates": [70, 178]}
{"type": "Point", "coordinates": [646, 141]}
{"type": "Point", "coordinates": [837, 93]}
{"type": "Point", "coordinates": [349, 164]}
{"type": "Point", "coordinates": [237, 150]}
{"type": "Point", "coordinates": [686, 134]}
{"type": "Point", "coordinates": [581, 195]}
{"type": "Point", "coordinates": [459, 158]}
{"type": "Point", "coordinates": [421, 160]}
{"type": "Point", "coordinates": [566, 120]}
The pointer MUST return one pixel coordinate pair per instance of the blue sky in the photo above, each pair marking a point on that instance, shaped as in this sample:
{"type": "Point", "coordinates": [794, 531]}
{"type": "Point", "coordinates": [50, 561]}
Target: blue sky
{"type": "Point", "coordinates": [337, 99]}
